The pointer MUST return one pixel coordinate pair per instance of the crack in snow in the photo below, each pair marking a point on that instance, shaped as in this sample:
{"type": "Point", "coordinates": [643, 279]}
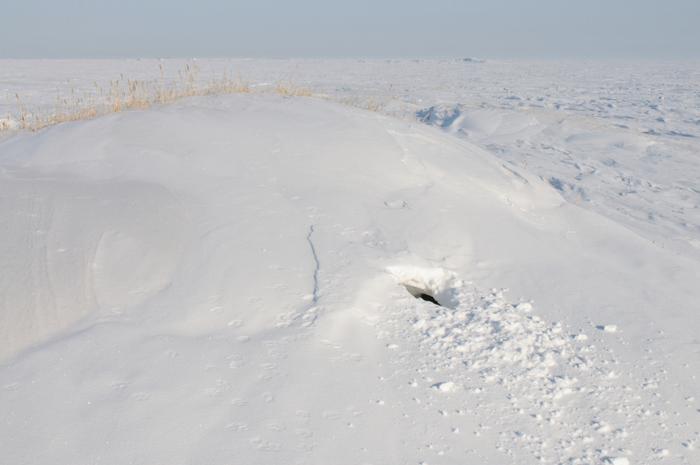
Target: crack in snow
{"type": "Point", "coordinates": [317, 264]}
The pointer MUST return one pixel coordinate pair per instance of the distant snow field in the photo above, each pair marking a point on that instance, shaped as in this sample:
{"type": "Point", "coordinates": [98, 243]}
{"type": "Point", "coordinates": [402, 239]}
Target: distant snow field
{"type": "Point", "coordinates": [426, 262]}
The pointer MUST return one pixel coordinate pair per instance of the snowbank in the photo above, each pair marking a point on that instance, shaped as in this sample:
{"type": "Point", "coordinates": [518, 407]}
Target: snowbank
{"type": "Point", "coordinates": [228, 280]}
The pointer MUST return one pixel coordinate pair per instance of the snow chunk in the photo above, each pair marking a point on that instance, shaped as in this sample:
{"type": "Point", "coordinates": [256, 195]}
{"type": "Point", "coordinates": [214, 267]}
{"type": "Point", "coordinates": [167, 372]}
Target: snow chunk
{"type": "Point", "coordinates": [447, 386]}
{"type": "Point", "coordinates": [617, 461]}
{"type": "Point", "coordinates": [524, 307]}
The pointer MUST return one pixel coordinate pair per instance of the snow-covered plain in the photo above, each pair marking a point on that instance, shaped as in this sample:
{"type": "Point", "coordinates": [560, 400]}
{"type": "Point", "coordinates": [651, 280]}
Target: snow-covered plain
{"type": "Point", "coordinates": [231, 280]}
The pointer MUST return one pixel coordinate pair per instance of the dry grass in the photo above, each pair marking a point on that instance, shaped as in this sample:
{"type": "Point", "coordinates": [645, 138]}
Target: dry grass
{"type": "Point", "coordinates": [122, 95]}
{"type": "Point", "coordinates": [129, 94]}
{"type": "Point", "coordinates": [290, 90]}
{"type": "Point", "coordinates": [369, 104]}
{"type": "Point", "coordinates": [6, 124]}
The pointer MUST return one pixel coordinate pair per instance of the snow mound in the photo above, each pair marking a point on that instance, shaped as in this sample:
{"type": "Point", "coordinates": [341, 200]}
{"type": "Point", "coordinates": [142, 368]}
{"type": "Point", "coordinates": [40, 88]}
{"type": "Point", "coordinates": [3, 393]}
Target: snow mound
{"type": "Point", "coordinates": [134, 193]}
{"type": "Point", "coordinates": [233, 279]}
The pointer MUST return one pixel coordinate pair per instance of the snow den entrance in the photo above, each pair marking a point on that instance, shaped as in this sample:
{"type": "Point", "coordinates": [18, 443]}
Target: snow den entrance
{"type": "Point", "coordinates": [434, 285]}
{"type": "Point", "coordinates": [419, 293]}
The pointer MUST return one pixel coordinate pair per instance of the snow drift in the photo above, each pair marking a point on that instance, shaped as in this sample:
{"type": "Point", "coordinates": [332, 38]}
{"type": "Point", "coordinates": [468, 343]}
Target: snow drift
{"type": "Point", "coordinates": [223, 281]}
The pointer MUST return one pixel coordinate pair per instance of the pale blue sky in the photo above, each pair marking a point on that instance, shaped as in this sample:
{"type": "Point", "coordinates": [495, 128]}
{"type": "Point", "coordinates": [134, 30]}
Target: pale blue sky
{"type": "Point", "coordinates": [317, 28]}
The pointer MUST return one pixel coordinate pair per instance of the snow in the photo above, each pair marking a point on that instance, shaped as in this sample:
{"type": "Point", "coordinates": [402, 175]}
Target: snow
{"type": "Point", "coordinates": [446, 386]}
{"type": "Point", "coordinates": [617, 461]}
{"type": "Point", "coordinates": [619, 138]}
{"type": "Point", "coordinates": [234, 279]}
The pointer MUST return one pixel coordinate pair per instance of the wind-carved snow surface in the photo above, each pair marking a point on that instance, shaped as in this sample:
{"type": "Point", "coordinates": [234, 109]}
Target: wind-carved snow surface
{"type": "Point", "coordinates": [624, 173]}
{"type": "Point", "coordinates": [234, 279]}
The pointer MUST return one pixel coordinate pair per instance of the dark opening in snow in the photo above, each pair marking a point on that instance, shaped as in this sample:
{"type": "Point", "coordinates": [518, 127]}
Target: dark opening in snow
{"type": "Point", "coordinates": [423, 294]}
{"type": "Point", "coordinates": [429, 298]}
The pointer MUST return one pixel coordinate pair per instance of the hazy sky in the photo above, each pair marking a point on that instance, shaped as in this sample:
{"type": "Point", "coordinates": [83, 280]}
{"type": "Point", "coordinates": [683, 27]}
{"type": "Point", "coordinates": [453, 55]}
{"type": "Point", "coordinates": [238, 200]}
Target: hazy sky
{"type": "Point", "coordinates": [379, 28]}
